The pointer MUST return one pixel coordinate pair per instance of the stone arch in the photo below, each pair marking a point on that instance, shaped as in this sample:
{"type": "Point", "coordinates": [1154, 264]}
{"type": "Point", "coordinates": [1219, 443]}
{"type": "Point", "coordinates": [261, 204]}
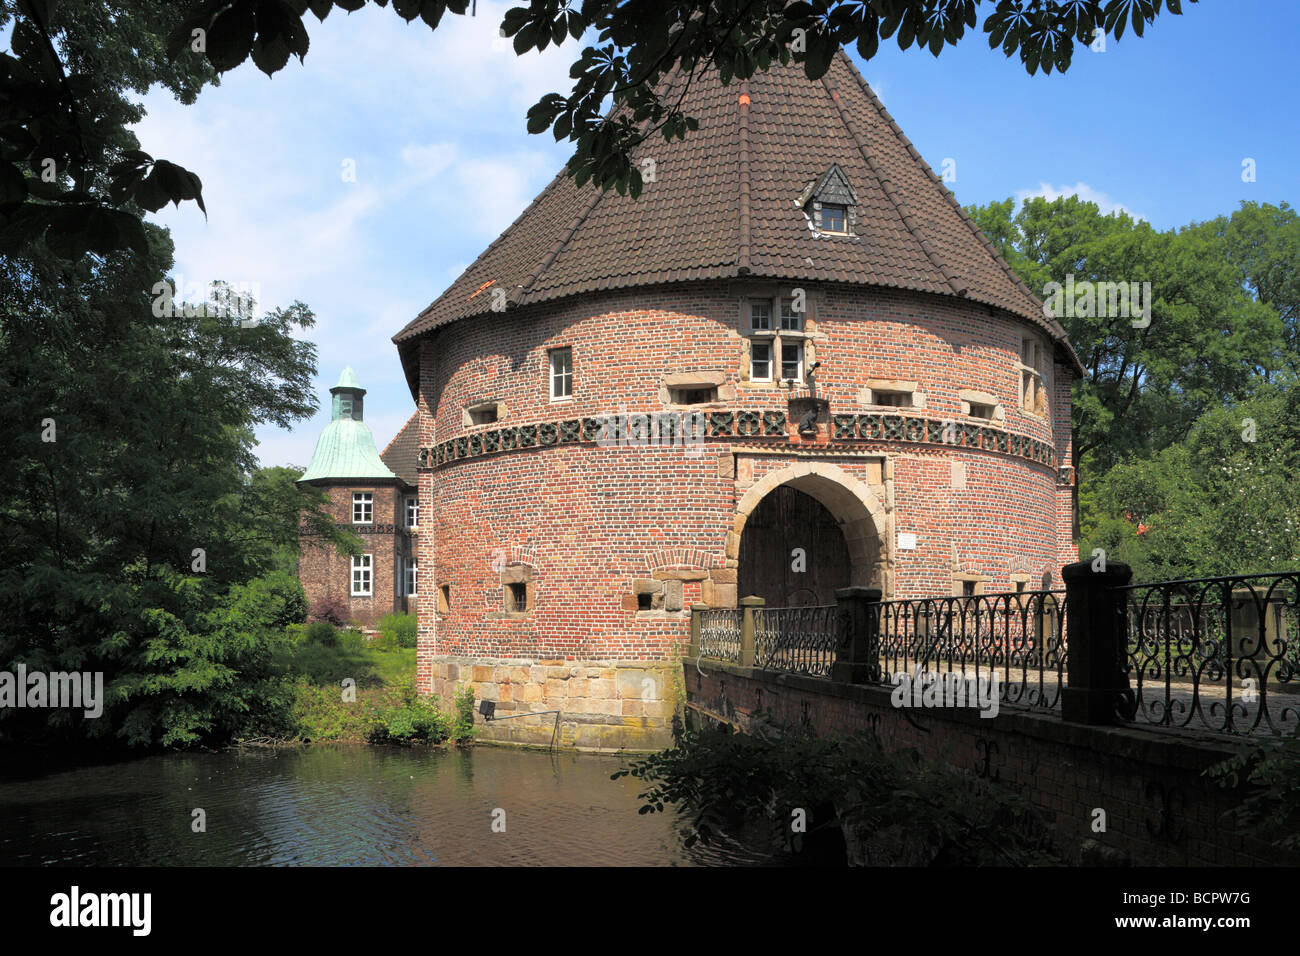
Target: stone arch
{"type": "Point", "coordinates": [863, 518]}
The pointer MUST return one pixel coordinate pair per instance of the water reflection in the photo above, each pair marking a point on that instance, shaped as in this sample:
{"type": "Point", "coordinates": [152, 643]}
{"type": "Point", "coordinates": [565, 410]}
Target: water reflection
{"type": "Point", "coordinates": [346, 805]}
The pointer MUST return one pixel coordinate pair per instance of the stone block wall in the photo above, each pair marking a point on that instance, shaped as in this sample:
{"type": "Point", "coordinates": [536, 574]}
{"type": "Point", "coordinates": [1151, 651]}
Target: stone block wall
{"type": "Point", "coordinates": [605, 705]}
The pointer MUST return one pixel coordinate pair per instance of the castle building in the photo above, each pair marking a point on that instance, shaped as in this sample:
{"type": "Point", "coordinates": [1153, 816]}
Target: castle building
{"type": "Point", "coordinates": [791, 365]}
{"type": "Point", "coordinates": [376, 496]}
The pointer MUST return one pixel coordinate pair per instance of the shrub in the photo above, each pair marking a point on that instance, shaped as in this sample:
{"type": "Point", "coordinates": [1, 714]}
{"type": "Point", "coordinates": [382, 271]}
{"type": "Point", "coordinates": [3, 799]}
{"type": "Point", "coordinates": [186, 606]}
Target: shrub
{"type": "Point", "coordinates": [322, 633]}
{"type": "Point", "coordinates": [352, 640]}
{"type": "Point", "coordinates": [331, 609]}
{"type": "Point", "coordinates": [462, 730]}
{"type": "Point", "coordinates": [399, 629]}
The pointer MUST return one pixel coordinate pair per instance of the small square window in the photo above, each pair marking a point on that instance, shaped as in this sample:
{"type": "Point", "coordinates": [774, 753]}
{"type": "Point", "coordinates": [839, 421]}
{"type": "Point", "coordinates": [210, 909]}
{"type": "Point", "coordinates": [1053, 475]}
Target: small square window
{"type": "Point", "coordinates": [760, 361]}
{"type": "Point", "coordinates": [483, 415]}
{"type": "Point", "coordinates": [760, 316]}
{"type": "Point", "coordinates": [968, 589]}
{"type": "Point", "coordinates": [516, 597]}
{"type": "Point", "coordinates": [645, 602]}
{"type": "Point", "coordinates": [362, 568]}
{"type": "Point", "coordinates": [981, 411]}
{"type": "Point", "coordinates": [834, 218]}
{"type": "Point", "coordinates": [363, 507]}
{"type": "Point", "coordinates": [561, 373]}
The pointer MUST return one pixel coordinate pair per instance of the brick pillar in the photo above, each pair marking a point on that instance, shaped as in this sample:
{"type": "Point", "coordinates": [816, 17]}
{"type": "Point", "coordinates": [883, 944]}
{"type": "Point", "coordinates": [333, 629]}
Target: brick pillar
{"type": "Point", "coordinates": [747, 605]}
{"type": "Point", "coordinates": [1096, 686]}
{"type": "Point", "coordinates": [857, 658]}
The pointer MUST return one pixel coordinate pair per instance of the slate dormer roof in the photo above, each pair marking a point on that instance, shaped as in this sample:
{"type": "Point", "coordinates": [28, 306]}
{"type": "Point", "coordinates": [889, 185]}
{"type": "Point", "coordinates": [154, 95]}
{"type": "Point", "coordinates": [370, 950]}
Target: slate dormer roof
{"type": "Point", "coordinates": [721, 207]}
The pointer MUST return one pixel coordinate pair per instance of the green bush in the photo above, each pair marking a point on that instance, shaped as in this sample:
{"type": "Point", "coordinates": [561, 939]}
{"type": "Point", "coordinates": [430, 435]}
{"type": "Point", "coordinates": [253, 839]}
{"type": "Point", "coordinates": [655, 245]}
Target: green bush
{"type": "Point", "coordinates": [399, 629]}
{"type": "Point", "coordinates": [462, 730]}
{"type": "Point", "coordinates": [352, 640]}
{"type": "Point", "coordinates": [323, 633]}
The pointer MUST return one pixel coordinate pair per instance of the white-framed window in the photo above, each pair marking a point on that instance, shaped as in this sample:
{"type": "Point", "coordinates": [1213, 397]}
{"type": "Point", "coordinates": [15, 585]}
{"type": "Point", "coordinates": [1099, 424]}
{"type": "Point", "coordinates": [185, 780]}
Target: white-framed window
{"type": "Point", "coordinates": [411, 577]}
{"type": "Point", "coordinates": [561, 362]}
{"type": "Point", "coordinates": [362, 574]}
{"type": "Point", "coordinates": [776, 340]}
{"type": "Point", "coordinates": [412, 511]}
{"type": "Point", "coordinates": [363, 507]}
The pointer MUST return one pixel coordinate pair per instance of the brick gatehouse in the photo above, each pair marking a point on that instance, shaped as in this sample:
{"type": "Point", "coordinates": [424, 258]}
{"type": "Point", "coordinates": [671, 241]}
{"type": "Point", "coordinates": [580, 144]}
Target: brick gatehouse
{"type": "Point", "coordinates": [793, 364]}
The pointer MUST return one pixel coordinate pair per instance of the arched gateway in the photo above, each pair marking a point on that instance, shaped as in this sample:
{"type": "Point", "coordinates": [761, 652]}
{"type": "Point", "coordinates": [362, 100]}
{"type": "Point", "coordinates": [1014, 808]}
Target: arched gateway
{"type": "Point", "coordinates": [833, 518]}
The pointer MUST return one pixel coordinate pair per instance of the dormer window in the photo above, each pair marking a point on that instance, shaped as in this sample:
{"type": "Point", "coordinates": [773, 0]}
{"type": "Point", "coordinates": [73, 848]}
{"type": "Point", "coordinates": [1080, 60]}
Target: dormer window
{"type": "Point", "coordinates": [828, 202]}
{"type": "Point", "coordinates": [834, 219]}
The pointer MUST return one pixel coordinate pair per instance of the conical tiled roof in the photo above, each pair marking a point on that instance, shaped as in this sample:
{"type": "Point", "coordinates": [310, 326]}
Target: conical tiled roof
{"type": "Point", "coordinates": [723, 203]}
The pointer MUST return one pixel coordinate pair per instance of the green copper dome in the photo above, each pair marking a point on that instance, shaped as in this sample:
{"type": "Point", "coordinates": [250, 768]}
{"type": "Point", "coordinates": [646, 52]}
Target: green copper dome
{"type": "Point", "coordinates": [346, 449]}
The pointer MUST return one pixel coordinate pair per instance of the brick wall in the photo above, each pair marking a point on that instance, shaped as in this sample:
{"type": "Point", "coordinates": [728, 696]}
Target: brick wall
{"type": "Point", "coordinates": [327, 574]}
{"type": "Point", "coordinates": [590, 522]}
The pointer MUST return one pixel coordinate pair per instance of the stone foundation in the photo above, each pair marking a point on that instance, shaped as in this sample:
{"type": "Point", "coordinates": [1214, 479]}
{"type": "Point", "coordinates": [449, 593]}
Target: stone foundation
{"type": "Point", "coordinates": [605, 706]}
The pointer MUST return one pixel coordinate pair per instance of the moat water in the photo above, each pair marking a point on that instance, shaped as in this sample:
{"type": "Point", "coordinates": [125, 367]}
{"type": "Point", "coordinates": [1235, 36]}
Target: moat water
{"type": "Point", "coordinates": [347, 805]}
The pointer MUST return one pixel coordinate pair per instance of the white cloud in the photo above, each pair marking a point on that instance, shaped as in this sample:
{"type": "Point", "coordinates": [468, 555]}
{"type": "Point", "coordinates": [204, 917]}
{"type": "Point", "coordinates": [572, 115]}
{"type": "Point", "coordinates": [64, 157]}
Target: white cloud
{"type": "Point", "coordinates": [1080, 189]}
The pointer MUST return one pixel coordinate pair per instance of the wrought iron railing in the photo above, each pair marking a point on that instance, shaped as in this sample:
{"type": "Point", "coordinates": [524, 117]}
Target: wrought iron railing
{"type": "Point", "coordinates": [1019, 639]}
{"type": "Point", "coordinates": [720, 634]}
{"type": "Point", "coordinates": [1217, 654]}
{"type": "Point", "coordinates": [797, 639]}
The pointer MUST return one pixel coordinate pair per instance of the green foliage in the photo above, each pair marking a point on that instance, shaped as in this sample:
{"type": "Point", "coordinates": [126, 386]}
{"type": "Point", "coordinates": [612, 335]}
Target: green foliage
{"type": "Point", "coordinates": [70, 62]}
{"type": "Point", "coordinates": [322, 633]}
{"type": "Point", "coordinates": [1269, 774]}
{"type": "Point", "coordinates": [400, 629]}
{"type": "Point", "coordinates": [462, 730]}
{"type": "Point", "coordinates": [896, 807]}
{"type": "Point", "coordinates": [415, 719]}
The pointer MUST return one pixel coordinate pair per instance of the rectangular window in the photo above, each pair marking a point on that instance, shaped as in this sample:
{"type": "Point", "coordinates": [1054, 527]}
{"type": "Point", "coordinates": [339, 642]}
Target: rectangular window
{"type": "Point", "coordinates": [760, 316]}
{"type": "Point", "coordinates": [411, 576]}
{"type": "Point", "coordinates": [561, 373]}
{"type": "Point", "coordinates": [363, 507]}
{"type": "Point", "coordinates": [362, 567]}
{"type": "Point", "coordinates": [484, 415]}
{"type": "Point", "coordinates": [516, 597]}
{"type": "Point", "coordinates": [893, 399]}
{"type": "Point", "coordinates": [412, 511]}
{"type": "Point", "coordinates": [444, 599]}
{"type": "Point", "coordinates": [981, 411]}
{"type": "Point", "coordinates": [833, 219]}
{"type": "Point", "coordinates": [968, 588]}
{"type": "Point", "coordinates": [792, 360]}
{"type": "Point", "coordinates": [791, 321]}
{"type": "Point", "coordinates": [693, 396]}
{"type": "Point", "coordinates": [760, 361]}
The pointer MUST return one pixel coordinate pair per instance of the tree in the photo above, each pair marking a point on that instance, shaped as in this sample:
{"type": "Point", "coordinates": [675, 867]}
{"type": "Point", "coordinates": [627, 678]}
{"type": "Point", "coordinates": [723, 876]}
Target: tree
{"type": "Point", "coordinates": [137, 537]}
{"type": "Point", "coordinates": [1206, 339]}
{"type": "Point", "coordinates": [61, 107]}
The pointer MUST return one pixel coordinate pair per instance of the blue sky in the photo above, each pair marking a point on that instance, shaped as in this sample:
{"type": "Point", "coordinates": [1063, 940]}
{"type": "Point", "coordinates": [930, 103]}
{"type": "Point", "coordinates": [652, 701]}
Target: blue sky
{"type": "Point", "coordinates": [434, 125]}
